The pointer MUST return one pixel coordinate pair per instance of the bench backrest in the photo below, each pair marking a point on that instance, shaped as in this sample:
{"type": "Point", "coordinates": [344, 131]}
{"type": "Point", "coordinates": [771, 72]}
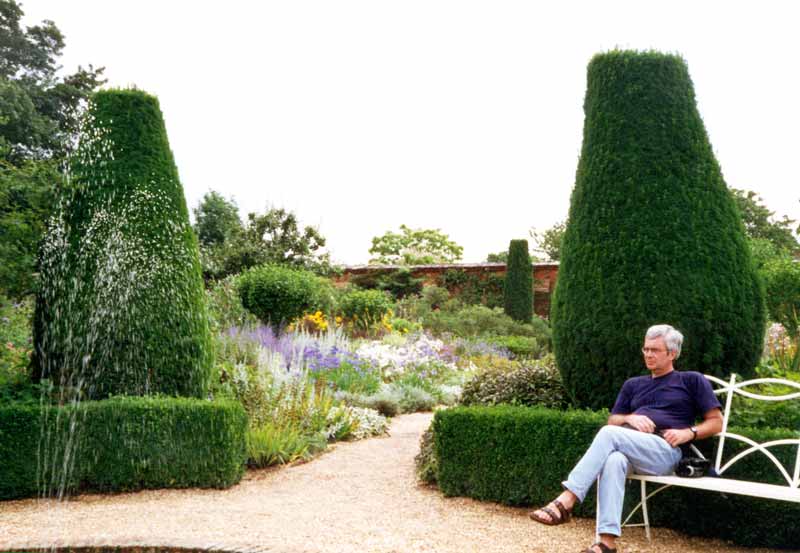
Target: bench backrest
{"type": "Point", "coordinates": [728, 389]}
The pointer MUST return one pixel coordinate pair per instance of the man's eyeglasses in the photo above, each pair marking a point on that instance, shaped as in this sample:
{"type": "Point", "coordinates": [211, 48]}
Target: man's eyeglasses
{"type": "Point", "coordinates": [654, 351]}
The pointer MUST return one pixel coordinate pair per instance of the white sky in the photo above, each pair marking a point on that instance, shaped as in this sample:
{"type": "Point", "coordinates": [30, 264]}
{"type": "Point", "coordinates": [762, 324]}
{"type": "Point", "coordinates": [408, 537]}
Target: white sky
{"type": "Point", "coordinates": [463, 116]}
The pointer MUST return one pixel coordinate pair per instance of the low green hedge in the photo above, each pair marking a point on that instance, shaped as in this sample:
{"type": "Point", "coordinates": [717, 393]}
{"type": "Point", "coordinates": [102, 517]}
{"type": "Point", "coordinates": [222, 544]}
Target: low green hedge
{"type": "Point", "coordinates": [121, 444]}
{"type": "Point", "coordinates": [520, 456]}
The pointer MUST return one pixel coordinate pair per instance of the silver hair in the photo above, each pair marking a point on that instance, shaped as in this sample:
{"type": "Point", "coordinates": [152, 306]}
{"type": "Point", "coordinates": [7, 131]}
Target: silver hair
{"type": "Point", "coordinates": [672, 337]}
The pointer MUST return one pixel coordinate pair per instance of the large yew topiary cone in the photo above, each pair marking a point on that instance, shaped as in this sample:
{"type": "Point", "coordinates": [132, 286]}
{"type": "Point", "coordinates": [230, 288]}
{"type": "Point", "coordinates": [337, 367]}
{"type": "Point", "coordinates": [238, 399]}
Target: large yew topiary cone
{"type": "Point", "coordinates": [518, 285]}
{"type": "Point", "coordinates": [121, 308]}
{"type": "Point", "coordinates": [653, 236]}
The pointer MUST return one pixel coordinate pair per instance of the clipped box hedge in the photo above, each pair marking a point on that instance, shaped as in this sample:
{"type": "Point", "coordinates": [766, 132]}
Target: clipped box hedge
{"type": "Point", "coordinates": [121, 444]}
{"type": "Point", "coordinates": [520, 456]}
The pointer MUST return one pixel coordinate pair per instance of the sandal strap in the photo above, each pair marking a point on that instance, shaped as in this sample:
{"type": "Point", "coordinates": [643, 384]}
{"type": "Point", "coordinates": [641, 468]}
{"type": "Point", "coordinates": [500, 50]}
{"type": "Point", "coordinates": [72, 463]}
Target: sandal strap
{"type": "Point", "coordinates": [553, 516]}
{"type": "Point", "coordinates": [565, 514]}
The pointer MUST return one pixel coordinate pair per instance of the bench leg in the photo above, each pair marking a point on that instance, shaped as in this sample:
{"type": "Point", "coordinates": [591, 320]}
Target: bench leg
{"type": "Point", "coordinates": [644, 510]}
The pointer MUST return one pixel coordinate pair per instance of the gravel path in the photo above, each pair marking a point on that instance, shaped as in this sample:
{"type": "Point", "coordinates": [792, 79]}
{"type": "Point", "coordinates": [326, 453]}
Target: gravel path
{"type": "Point", "coordinates": [358, 497]}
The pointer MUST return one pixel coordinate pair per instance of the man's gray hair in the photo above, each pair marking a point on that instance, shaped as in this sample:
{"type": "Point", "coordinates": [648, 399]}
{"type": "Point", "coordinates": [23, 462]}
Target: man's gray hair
{"type": "Point", "coordinates": [672, 337]}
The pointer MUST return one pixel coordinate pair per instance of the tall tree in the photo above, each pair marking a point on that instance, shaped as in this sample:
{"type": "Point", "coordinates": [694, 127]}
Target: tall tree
{"type": "Point", "coordinates": [39, 117]}
{"type": "Point", "coordinates": [270, 237]}
{"type": "Point", "coordinates": [760, 223]}
{"type": "Point", "coordinates": [653, 236]}
{"type": "Point", "coordinates": [518, 287]}
{"type": "Point", "coordinates": [414, 247]}
{"type": "Point", "coordinates": [216, 219]}
{"type": "Point", "coordinates": [39, 110]}
{"type": "Point", "coordinates": [27, 196]}
{"type": "Point", "coordinates": [548, 242]}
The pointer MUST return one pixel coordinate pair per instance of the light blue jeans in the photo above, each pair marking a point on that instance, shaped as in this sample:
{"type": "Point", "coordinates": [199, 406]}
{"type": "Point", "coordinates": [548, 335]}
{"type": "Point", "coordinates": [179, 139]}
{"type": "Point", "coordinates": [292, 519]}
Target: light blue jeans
{"type": "Point", "coordinates": [614, 453]}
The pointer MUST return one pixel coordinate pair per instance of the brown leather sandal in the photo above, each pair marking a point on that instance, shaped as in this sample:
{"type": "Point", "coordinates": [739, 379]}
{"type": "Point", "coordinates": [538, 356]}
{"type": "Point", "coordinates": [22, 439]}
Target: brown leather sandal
{"type": "Point", "coordinates": [603, 548]}
{"type": "Point", "coordinates": [554, 520]}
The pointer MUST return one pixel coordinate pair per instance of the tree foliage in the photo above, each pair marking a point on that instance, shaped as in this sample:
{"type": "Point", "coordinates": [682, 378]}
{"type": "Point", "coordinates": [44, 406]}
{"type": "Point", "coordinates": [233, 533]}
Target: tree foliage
{"type": "Point", "coordinates": [39, 113]}
{"type": "Point", "coordinates": [654, 236]}
{"type": "Point", "coordinates": [548, 242]}
{"type": "Point", "coordinates": [414, 247]}
{"type": "Point", "coordinates": [27, 196]}
{"type": "Point", "coordinates": [760, 223]}
{"type": "Point", "coordinates": [216, 219]}
{"type": "Point", "coordinates": [518, 289]}
{"type": "Point", "coordinates": [273, 237]}
{"type": "Point", "coordinates": [499, 257]}
{"type": "Point", "coordinates": [782, 276]}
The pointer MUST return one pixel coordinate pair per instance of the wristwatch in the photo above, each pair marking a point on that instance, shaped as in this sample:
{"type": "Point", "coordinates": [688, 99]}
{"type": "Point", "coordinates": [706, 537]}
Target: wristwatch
{"type": "Point", "coordinates": [694, 431]}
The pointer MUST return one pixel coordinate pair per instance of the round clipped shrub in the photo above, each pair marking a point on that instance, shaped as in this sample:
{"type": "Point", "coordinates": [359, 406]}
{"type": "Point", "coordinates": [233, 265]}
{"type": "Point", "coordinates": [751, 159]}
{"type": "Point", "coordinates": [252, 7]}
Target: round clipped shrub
{"type": "Point", "coordinates": [654, 236]}
{"type": "Point", "coordinates": [121, 307]}
{"type": "Point", "coordinates": [368, 305]}
{"type": "Point", "coordinates": [518, 287]}
{"type": "Point", "coordinates": [277, 294]}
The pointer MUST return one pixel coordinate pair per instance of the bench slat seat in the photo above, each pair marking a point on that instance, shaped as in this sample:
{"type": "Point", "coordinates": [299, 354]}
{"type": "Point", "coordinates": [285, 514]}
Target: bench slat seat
{"type": "Point", "coordinates": [726, 485]}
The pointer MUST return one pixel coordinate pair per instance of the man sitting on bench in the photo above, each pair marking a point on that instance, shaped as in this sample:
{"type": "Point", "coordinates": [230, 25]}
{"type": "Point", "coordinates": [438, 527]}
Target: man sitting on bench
{"type": "Point", "coordinates": [654, 415]}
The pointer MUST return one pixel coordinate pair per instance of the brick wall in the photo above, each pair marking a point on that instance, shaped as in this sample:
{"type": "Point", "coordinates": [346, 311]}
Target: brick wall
{"type": "Point", "coordinates": [544, 277]}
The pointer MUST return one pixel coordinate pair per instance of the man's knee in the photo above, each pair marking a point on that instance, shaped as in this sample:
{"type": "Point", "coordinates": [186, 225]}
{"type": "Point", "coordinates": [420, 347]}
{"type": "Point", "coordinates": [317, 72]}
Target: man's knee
{"type": "Point", "coordinates": [616, 461]}
{"type": "Point", "coordinates": [610, 432]}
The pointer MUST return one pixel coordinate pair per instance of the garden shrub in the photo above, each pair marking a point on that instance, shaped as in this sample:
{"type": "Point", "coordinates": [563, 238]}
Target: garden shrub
{"type": "Point", "coordinates": [364, 422]}
{"type": "Point", "coordinates": [404, 326]}
{"type": "Point", "coordinates": [122, 444]}
{"type": "Point", "coordinates": [15, 348]}
{"type": "Point", "coordinates": [520, 346]}
{"type": "Point", "coordinates": [435, 296]}
{"type": "Point", "coordinates": [520, 456]}
{"type": "Point", "coordinates": [225, 306]}
{"type": "Point", "coordinates": [272, 445]}
{"type": "Point", "coordinates": [518, 383]}
{"type": "Point", "coordinates": [518, 289]}
{"type": "Point", "coordinates": [473, 289]}
{"type": "Point", "coordinates": [385, 401]}
{"type": "Point", "coordinates": [414, 399]}
{"type": "Point", "coordinates": [367, 305]}
{"type": "Point", "coordinates": [479, 320]}
{"type": "Point", "coordinates": [121, 304]}
{"type": "Point", "coordinates": [397, 282]}
{"type": "Point", "coordinates": [654, 236]}
{"type": "Point", "coordinates": [425, 462]}
{"type": "Point", "coordinates": [277, 294]}
{"type": "Point", "coordinates": [782, 278]}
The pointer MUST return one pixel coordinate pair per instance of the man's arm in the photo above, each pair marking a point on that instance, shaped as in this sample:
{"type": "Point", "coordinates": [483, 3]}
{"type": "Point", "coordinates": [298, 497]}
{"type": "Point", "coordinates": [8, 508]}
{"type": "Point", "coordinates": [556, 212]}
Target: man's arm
{"type": "Point", "coordinates": [639, 422]}
{"type": "Point", "coordinates": [621, 412]}
{"type": "Point", "coordinates": [712, 424]}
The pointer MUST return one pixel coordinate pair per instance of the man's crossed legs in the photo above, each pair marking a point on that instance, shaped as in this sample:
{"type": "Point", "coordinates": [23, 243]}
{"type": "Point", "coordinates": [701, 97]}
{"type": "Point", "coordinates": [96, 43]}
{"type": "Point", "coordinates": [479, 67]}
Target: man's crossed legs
{"type": "Point", "coordinates": [614, 452]}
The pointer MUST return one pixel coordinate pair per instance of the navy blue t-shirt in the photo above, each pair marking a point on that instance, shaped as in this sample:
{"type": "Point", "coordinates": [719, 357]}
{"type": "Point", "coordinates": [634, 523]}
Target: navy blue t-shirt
{"type": "Point", "coordinates": [675, 400]}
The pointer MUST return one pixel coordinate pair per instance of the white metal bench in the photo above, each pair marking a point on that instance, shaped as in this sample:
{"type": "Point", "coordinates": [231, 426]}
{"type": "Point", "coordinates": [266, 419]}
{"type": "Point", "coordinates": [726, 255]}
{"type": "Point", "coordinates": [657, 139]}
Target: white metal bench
{"type": "Point", "coordinates": [788, 492]}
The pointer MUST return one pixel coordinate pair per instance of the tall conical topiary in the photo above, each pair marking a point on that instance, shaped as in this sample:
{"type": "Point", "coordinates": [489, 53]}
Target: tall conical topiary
{"type": "Point", "coordinates": [121, 308]}
{"type": "Point", "coordinates": [653, 237]}
{"type": "Point", "coordinates": [518, 286]}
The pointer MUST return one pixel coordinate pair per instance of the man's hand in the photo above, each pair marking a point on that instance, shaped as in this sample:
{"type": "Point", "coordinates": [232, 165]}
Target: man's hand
{"type": "Point", "coordinates": [676, 437]}
{"type": "Point", "coordinates": [641, 423]}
